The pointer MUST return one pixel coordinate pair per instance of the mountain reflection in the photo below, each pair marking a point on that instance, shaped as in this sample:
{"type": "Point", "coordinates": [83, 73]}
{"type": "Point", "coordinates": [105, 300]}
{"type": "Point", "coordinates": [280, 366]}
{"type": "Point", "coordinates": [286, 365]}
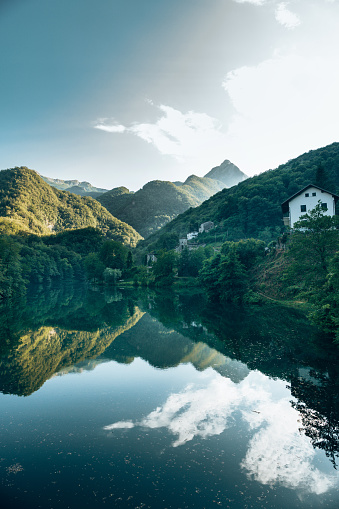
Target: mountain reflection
{"type": "Point", "coordinates": [71, 329]}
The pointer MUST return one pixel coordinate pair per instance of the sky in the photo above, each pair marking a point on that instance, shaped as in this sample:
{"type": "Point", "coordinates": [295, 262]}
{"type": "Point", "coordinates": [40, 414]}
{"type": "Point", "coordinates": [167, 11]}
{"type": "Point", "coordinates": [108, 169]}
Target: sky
{"type": "Point", "coordinates": [121, 92]}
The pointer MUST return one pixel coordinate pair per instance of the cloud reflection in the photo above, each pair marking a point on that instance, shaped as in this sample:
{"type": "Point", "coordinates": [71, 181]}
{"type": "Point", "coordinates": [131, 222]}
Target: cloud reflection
{"type": "Point", "coordinates": [277, 452]}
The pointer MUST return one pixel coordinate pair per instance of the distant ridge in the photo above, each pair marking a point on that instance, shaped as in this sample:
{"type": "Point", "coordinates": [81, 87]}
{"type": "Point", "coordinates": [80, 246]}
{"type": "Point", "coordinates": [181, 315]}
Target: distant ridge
{"type": "Point", "coordinates": [74, 186]}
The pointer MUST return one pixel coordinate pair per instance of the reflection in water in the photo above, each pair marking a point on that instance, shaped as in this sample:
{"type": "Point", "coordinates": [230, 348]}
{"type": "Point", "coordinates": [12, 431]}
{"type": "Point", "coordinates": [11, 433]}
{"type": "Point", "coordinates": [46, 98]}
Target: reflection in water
{"type": "Point", "coordinates": [244, 359]}
{"type": "Point", "coordinates": [277, 453]}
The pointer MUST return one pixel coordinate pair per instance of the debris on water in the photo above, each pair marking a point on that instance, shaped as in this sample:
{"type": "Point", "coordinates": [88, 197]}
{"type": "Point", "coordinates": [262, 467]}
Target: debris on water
{"type": "Point", "coordinates": [14, 469]}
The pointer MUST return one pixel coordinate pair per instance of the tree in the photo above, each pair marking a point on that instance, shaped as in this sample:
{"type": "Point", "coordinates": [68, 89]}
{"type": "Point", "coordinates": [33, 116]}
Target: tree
{"type": "Point", "coordinates": [184, 263]}
{"type": "Point", "coordinates": [11, 277]}
{"type": "Point", "coordinates": [113, 254]}
{"type": "Point", "coordinates": [326, 314]}
{"type": "Point", "coordinates": [163, 269]}
{"type": "Point", "coordinates": [209, 277]}
{"type": "Point", "coordinates": [94, 267]}
{"type": "Point", "coordinates": [233, 279]}
{"type": "Point", "coordinates": [313, 243]}
{"type": "Point", "coordinates": [129, 261]}
{"type": "Point", "coordinates": [111, 275]}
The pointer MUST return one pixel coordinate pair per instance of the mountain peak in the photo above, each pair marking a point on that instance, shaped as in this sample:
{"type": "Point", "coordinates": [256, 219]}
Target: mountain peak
{"type": "Point", "coordinates": [228, 173]}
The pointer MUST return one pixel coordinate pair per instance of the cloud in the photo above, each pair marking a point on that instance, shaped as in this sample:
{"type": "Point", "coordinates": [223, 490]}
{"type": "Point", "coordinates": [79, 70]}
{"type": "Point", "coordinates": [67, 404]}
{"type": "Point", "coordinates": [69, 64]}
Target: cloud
{"type": "Point", "coordinates": [192, 138]}
{"type": "Point", "coordinates": [115, 128]}
{"type": "Point", "coordinates": [284, 106]}
{"type": "Point", "coordinates": [254, 2]}
{"type": "Point", "coordinates": [206, 411]}
{"type": "Point", "coordinates": [285, 17]}
{"type": "Point", "coordinates": [288, 461]}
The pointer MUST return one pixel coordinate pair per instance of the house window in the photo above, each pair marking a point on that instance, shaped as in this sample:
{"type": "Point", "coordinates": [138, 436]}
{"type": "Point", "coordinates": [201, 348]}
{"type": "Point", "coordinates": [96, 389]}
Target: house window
{"type": "Point", "coordinates": [302, 208]}
{"type": "Point", "coordinates": [314, 194]}
{"type": "Point", "coordinates": [307, 195]}
{"type": "Point", "coordinates": [324, 206]}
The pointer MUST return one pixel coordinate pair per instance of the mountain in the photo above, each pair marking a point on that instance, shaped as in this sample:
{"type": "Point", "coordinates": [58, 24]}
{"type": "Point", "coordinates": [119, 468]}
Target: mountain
{"type": "Point", "coordinates": [74, 186]}
{"type": "Point", "coordinates": [158, 202]}
{"type": "Point", "coordinates": [253, 207]}
{"type": "Point", "coordinates": [227, 173]}
{"type": "Point", "coordinates": [28, 203]}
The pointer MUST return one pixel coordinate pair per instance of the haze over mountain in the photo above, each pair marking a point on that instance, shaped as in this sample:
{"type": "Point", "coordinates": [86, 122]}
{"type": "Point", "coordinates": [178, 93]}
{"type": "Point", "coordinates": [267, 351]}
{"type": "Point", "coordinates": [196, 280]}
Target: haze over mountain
{"type": "Point", "coordinates": [28, 203]}
{"type": "Point", "coordinates": [158, 202]}
{"type": "Point", "coordinates": [253, 207]}
{"type": "Point", "coordinates": [74, 186]}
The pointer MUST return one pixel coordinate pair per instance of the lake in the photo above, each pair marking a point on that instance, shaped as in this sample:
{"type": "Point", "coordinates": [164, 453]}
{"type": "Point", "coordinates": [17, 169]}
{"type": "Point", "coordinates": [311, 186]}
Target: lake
{"type": "Point", "coordinates": [140, 399]}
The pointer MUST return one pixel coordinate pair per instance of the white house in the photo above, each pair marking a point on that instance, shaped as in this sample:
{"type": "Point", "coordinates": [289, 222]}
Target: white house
{"type": "Point", "coordinates": [192, 235]}
{"type": "Point", "coordinates": [305, 200]}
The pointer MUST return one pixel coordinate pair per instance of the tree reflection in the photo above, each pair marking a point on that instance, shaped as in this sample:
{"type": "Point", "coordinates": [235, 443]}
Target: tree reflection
{"type": "Point", "coordinates": [317, 403]}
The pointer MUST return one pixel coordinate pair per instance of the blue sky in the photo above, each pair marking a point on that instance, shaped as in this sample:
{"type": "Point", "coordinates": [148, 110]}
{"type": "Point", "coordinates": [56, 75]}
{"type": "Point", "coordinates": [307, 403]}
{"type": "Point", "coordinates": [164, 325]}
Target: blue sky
{"type": "Point", "coordinates": [120, 92]}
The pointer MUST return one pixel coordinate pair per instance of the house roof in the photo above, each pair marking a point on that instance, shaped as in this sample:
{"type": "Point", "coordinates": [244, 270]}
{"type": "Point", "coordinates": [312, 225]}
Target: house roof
{"type": "Point", "coordinates": [284, 205]}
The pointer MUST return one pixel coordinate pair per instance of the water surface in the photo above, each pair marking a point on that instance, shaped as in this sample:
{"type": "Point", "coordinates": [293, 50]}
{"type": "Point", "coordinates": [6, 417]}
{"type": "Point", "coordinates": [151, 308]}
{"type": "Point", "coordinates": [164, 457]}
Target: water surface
{"type": "Point", "coordinates": [131, 399]}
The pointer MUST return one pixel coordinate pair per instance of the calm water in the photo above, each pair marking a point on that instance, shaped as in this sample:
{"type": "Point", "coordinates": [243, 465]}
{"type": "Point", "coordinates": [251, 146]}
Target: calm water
{"type": "Point", "coordinates": [144, 400]}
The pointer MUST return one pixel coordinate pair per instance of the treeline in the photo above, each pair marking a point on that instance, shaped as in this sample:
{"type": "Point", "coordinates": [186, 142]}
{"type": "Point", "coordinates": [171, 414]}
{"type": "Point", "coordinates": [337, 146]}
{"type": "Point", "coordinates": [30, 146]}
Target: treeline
{"type": "Point", "coordinates": [83, 254]}
{"type": "Point", "coordinates": [223, 274]}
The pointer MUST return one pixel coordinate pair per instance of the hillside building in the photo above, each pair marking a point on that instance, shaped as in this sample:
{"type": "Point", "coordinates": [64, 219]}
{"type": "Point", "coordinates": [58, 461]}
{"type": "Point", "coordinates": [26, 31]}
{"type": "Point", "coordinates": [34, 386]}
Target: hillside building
{"type": "Point", "coordinates": [182, 244]}
{"type": "Point", "coordinates": [305, 200]}
{"type": "Point", "coordinates": [192, 235]}
{"type": "Point", "coordinates": [151, 258]}
{"type": "Point", "coordinates": [205, 227]}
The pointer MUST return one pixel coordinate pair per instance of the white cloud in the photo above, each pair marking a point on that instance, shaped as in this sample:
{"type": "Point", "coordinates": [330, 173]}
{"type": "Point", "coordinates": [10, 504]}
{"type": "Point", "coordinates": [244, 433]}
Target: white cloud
{"type": "Point", "coordinates": [286, 17]}
{"type": "Point", "coordinates": [114, 128]}
{"type": "Point", "coordinates": [285, 106]}
{"type": "Point", "coordinates": [192, 138]}
{"type": "Point", "coordinates": [255, 2]}
{"type": "Point", "coordinates": [206, 411]}
{"type": "Point", "coordinates": [288, 459]}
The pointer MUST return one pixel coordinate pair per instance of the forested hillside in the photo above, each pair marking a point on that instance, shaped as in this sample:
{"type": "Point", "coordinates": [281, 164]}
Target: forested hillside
{"type": "Point", "coordinates": [158, 202]}
{"type": "Point", "coordinates": [28, 204]}
{"type": "Point", "coordinates": [253, 207]}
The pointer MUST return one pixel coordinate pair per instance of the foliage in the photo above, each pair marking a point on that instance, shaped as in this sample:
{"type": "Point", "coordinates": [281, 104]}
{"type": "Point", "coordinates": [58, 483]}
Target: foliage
{"type": "Point", "coordinates": [29, 204]}
{"type": "Point", "coordinates": [94, 267]}
{"type": "Point", "coordinates": [163, 269]}
{"type": "Point", "coordinates": [11, 278]}
{"type": "Point", "coordinates": [191, 262]}
{"type": "Point", "coordinates": [113, 254]}
{"type": "Point", "coordinates": [249, 251]}
{"type": "Point", "coordinates": [225, 278]}
{"type": "Point", "coordinates": [327, 303]}
{"type": "Point", "coordinates": [158, 202]}
{"type": "Point", "coordinates": [313, 243]}
{"type": "Point", "coordinates": [232, 279]}
{"type": "Point", "coordinates": [111, 276]}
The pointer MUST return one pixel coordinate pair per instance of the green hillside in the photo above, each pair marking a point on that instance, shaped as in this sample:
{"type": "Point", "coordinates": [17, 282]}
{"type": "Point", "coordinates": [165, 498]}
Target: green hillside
{"type": "Point", "coordinates": [27, 203]}
{"type": "Point", "coordinates": [253, 207]}
{"type": "Point", "coordinates": [158, 202]}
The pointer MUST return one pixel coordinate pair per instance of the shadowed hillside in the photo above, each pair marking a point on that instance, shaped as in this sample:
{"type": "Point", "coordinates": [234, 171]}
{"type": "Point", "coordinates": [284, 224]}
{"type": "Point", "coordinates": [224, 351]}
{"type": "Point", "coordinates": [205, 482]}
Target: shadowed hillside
{"type": "Point", "coordinates": [158, 202]}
